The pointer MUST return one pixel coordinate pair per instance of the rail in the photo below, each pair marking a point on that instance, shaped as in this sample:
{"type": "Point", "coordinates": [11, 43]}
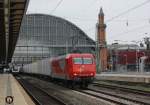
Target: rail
{"type": "Point", "coordinates": [39, 96]}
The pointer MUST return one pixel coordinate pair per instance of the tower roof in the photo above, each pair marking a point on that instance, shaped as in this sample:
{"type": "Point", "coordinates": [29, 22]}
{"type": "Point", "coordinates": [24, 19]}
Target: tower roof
{"type": "Point", "coordinates": [101, 13]}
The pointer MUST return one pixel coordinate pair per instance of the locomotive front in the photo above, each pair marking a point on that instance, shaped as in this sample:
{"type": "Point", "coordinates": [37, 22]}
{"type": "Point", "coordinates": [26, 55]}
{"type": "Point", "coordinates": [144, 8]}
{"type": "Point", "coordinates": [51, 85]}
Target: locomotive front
{"type": "Point", "coordinates": [83, 67]}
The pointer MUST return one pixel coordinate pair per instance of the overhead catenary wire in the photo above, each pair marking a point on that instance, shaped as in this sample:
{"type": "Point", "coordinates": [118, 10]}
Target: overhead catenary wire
{"type": "Point", "coordinates": [119, 15]}
{"type": "Point", "coordinates": [129, 10]}
{"type": "Point", "coordinates": [58, 4]}
{"type": "Point", "coordinates": [129, 31]}
{"type": "Point", "coordinates": [116, 20]}
{"type": "Point", "coordinates": [133, 20]}
{"type": "Point", "coordinates": [92, 19]}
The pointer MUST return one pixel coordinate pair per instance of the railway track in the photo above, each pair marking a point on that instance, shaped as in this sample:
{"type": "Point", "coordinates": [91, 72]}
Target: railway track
{"type": "Point", "coordinates": [88, 92]}
{"type": "Point", "coordinates": [101, 96]}
{"type": "Point", "coordinates": [114, 98]}
{"type": "Point", "coordinates": [130, 90]}
{"type": "Point", "coordinates": [39, 96]}
{"type": "Point", "coordinates": [105, 95]}
{"type": "Point", "coordinates": [123, 99]}
{"type": "Point", "coordinates": [71, 100]}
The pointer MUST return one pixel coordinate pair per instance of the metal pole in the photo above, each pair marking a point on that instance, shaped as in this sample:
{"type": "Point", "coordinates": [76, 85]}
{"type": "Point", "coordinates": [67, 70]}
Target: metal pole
{"type": "Point", "coordinates": [98, 68]}
{"type": "Point", "coordinates": [42, 52]}
{"type": "Point", "coordinates": [27, 55]}
{"type": "Point", "coordinates": [136, 58]}
{"type": "Point", "coordinates": [67, 47]}
{"type": "Point", "coordinates": [126, 61]}
{"type": "Point", "coordinates": [136, 55]}
{"type": "Point", "coordinates": [112, 60]}
{"type": "Point", "coordinates": [137, 50]}
{"type": "Point", "coordinates": [116, 53]}
{"type": "Point", "coordinates": [97, 57]}
{"type": "Point", "coordinates": [49, 52]}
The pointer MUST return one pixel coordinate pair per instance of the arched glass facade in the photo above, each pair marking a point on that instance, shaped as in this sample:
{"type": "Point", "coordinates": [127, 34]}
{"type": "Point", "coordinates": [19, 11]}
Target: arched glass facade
{"type": "Point", "coordinates": [43, 36]}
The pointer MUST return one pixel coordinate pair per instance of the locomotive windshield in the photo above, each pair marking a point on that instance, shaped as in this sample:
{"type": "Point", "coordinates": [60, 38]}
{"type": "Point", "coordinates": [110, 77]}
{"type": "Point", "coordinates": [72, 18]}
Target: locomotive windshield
{"type": "Point", "coordinates": [83, 60]}
{"type": "Point", "coordinates": [87, 61]}
{"type": "Point", "coordinates": [77, 60]}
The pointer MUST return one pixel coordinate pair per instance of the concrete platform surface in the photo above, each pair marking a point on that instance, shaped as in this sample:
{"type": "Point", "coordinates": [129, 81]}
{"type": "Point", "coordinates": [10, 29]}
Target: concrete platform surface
{"type": "Point", "coordinates": [10, 87]}
{"type": "Point", "coordinates": [128, 77]}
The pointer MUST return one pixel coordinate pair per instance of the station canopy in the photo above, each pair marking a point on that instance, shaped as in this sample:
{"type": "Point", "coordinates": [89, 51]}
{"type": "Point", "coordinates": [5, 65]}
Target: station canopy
{"type": "Point", "coordinates": [11, 15]}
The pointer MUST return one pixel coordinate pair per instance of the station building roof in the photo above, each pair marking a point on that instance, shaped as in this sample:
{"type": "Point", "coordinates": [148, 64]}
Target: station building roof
{"type": "Point", "coordinates": [55, 30]}
{"type": "Point", "coordinates": [11, 15]}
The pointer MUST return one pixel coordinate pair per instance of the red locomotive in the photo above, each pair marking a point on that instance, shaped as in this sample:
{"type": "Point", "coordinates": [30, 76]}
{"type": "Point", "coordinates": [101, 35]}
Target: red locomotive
{"type": "Point", "coordinates": [71, 68]}
{"type": "Point", "coordinates": [74, 68]}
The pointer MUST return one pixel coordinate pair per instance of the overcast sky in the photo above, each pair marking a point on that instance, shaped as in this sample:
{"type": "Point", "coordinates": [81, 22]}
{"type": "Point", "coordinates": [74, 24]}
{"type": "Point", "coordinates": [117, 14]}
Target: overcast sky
{"type": "Point", "coordinates": [133, 25]}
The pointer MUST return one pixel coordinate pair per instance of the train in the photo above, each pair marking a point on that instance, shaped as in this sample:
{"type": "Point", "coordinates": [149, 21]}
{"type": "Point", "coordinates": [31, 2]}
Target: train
{"type": "Point", "coordinates": [15, 69]}
{"type": "Point", "coordinates": [70, 69]}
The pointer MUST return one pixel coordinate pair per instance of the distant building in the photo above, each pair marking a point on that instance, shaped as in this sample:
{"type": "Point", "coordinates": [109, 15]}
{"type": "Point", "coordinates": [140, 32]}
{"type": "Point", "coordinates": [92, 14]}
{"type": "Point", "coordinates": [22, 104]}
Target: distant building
{"type": "Point", "coordinates": [127, 57]}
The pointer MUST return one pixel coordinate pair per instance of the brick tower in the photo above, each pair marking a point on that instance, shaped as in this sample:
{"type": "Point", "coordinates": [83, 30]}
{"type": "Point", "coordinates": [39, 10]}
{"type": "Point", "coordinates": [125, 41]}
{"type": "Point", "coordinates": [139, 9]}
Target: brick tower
{"type": "Point", "coordinates": [101, 39]}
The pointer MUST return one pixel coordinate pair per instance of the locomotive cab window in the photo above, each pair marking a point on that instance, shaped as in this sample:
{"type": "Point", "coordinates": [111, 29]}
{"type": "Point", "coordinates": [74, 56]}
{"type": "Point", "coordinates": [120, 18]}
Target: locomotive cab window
{"type": "Point", "coordinates": [87, 60]}
{"type": "Point", "coordinates": [77, 60]}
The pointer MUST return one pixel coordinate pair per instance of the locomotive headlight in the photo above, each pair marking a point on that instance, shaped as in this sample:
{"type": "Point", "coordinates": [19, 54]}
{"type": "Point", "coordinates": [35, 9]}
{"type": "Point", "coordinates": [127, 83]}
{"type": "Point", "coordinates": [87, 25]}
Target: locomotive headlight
{"type": "Point", "coordinates": [75, 74]}
{"type": "Point", "coordinates": [92, 74]}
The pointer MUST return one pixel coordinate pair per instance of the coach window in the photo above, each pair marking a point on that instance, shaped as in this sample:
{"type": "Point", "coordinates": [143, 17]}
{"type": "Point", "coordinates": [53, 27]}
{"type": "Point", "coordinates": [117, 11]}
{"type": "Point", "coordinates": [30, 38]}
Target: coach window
{"type": "Point", "coordinates": [77, 60]}
{"type": "Point", "coordinates": [87, 60]}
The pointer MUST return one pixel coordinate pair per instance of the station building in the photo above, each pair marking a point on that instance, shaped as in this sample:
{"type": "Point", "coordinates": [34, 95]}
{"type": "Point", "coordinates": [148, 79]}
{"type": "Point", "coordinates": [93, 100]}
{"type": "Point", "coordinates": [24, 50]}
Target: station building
{"type": "Point", "coordinates": [127, 57]}
{"type": "Point", "coordinates": [42, 36]}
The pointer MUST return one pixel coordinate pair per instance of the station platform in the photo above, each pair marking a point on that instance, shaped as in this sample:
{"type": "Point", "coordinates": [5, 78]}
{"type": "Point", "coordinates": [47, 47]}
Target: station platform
{"type": "Point", "coordinates": [9, 86]}
{"type": "Point", "coordinates": [127, 77]}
